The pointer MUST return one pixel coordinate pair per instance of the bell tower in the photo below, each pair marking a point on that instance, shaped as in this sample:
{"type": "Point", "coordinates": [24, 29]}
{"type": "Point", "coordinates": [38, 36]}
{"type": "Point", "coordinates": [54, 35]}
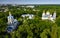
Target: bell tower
{"type": "Point", "coordinates": [10, 18]}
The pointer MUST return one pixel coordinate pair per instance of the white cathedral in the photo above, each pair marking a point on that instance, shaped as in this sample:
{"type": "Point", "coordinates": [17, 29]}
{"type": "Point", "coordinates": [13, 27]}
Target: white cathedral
{"type": "Point", "coordinates": [12, 23]}
{"type": "Point", "coordinates": [11, 19]}
{"type": "Point", "coordinates": [48, 16]}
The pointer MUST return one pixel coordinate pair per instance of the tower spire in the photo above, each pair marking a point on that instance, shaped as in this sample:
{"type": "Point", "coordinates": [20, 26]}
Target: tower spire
{"type": "Point", "coordinates": [9, 13]}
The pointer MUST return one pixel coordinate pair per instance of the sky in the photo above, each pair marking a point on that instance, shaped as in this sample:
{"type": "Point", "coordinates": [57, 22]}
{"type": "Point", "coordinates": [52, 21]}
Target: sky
{"type": "Point", "coordinates": [29, 1]}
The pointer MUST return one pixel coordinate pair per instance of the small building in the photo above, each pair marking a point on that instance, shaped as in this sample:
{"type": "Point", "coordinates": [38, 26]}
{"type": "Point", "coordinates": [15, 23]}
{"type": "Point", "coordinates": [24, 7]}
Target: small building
{"type": "Point", "coordinates": [48, 16]}
{"type": "Point", "coordinates": [12, 23]}
{"type": "Point", "coordinates": [30, 6]}
{"type": "Point", "coordinates": [3, 9]}
{"type": "Point", "coordinates": [30, 16]}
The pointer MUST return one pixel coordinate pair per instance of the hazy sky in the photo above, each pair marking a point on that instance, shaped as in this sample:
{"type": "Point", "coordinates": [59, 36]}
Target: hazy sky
{"type": "Point", "coordinates": [29, 1]}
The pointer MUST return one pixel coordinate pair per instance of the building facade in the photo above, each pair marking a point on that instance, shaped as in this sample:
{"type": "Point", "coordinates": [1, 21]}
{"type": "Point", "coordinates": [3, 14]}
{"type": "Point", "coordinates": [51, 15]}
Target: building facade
{"type": "Point", "coordinates": [30, 16]}
{"type": "Point", "coordinates": [48, 16]}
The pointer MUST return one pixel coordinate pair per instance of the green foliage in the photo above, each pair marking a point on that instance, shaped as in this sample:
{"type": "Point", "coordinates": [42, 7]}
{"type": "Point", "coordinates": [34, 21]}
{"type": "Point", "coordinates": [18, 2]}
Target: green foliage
{"type": "Point", "coordinates": [57, 21]}
{"type": "Point", "coordinates": [31, 28]}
